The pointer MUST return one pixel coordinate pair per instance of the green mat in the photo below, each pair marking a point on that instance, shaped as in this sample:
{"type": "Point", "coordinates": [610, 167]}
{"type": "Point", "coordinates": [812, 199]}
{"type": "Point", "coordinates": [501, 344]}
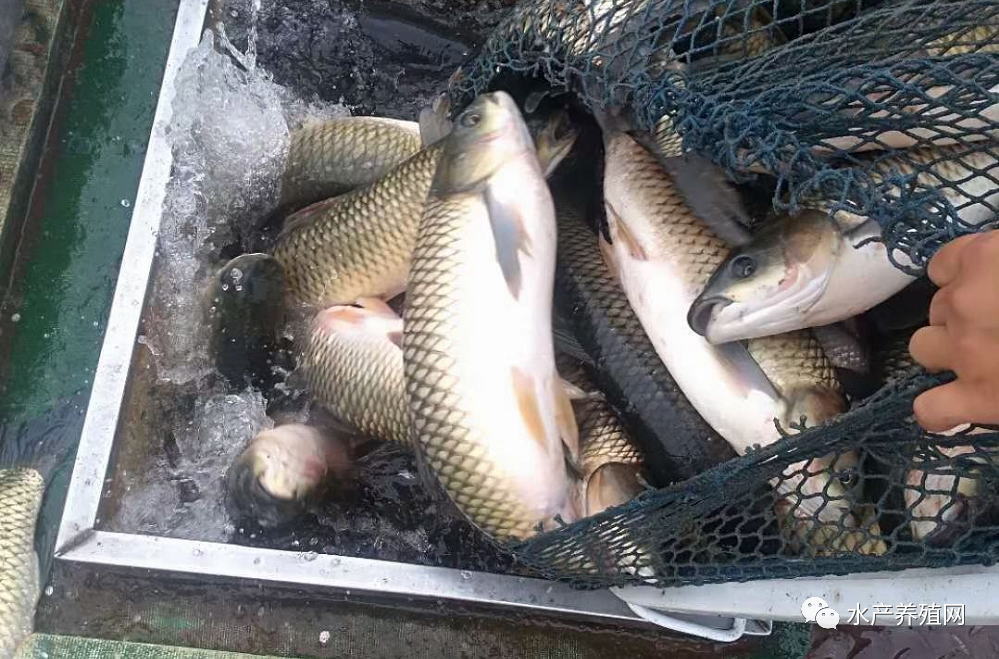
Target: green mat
{"type": "Point", "coordinates": [45, 646]}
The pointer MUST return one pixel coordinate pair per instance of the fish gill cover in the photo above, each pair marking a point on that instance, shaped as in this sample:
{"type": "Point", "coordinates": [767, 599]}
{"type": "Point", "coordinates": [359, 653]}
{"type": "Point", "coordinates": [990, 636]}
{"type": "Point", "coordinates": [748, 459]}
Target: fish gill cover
{"type": "Point", "coordinates": [861, 109]}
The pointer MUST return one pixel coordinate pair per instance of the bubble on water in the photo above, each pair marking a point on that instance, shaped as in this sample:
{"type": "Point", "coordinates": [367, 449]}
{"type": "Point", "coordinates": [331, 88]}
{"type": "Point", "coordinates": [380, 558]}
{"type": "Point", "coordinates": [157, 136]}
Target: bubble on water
{"type": "Point", "coordinates": [236, 274]}
{"type": "Point", "coordinates": [15, 318]}
{"type": "Point", "coordinates": [310, 556]}
{"type": "Point", "coordinates": [126, 203]}
{"type": "Point", "coordinates": [229, 134]}
{"type": "Point", "coordinates": [465, 574]}
{"type": "Point", "coordinates": [207, 442]}
{"type": "Point", "coordinates": [48, 591]}
{"type": "Point", "coordinates": [324, 637]}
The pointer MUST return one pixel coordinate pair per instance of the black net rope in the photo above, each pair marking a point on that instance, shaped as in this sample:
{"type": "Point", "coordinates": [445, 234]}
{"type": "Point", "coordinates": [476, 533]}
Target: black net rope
{"type": "Point", "coordinates": [880, 110]}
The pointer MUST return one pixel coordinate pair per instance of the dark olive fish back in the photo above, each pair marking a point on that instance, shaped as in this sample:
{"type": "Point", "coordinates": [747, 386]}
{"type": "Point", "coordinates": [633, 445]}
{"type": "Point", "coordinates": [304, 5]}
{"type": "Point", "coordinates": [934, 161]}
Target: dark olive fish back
{"type": "Point", "coordinates": [677, 442]}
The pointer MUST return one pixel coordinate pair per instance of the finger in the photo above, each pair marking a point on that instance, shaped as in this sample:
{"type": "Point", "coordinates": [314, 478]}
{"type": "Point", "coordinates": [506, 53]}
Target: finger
{"type": "Point", "coordinates": [946, 263]}
{"type": "Point", "coordinates": [931, 347]}
{"type": "Point", "coordinates": [941, 408]}
{"type": "Point", "coordinates": [952, 404]}
{"type": "Point", "coordinates": [939, 307]}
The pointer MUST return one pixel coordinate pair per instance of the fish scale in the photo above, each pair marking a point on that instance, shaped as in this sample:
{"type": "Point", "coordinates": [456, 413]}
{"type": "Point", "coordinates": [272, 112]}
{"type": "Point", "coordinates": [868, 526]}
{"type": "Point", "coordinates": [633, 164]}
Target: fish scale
{"type": "Point", "coordinates": [486, 405]}
{"type": "Point", "coordinates": [454, 447]}
{"type": "Point", "coordinates": [794, 358]}
{"type": "Point", "coordinates": [678, 443]}
{"type": "Point", "coordinates": [359, 378]}
{"type": "Point", "coordinates": [21, 492]}
{"type": "Point", "coordinates": [358, 244]}
{"type": "Point", "coordinates": [330, 157]}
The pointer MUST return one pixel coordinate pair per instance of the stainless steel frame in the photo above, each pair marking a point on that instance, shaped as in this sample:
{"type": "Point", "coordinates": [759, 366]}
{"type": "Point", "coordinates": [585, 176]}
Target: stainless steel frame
{"type": "Point", "coordinates": [80, 541]}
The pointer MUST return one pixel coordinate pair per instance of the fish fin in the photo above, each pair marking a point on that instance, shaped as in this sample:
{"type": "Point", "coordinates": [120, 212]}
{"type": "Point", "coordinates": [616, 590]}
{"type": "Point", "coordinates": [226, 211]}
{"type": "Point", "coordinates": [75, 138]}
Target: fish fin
{"type": "Point", "coordinates": [711, 196]}
{"type": "Point", "coordinates": [620, 231]}
{"type": "Point", "coordinates": [567, 344]}
{"type": "Point", "coordinates": [377, 305]}
{"type": "Point", "coordinates": [609, 259]}
{"type": "Point", "coordinates": [395, 337]}
{"type": "Point", "coordinates": [610, 484]}
{"type": "Point", "coordinates": [578, 393]}
{"type": "Point", "coordinates": [510, 238]}
{"type": "Point", "coordinates": [527, 402]}
{"type": "Point", "coordinates": [307, 215]}
{"type": "Point", "coordinates": [611, 121]}
{"type": "Point", "coordinates": [534, 100]}
{"type": "Point", "coordinates": [345, 314]}
{"type": "Point", "coordinates": [565, 419]}
{"type": "Point", "coordinates": [843, 348]}
{"type": "Point", "coordinates": [434, 122]}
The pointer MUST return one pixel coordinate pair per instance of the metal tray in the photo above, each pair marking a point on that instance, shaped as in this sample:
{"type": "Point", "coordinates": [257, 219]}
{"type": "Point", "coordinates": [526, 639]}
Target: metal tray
{"type": "Point", "coordinates": [81, 540]}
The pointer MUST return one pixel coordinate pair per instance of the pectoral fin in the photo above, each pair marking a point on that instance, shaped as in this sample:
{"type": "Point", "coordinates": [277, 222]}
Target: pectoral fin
{"type": "Point", "coordinates": [510, 238]}
{"type": "Point", "coordinates": [527, 402]}
{"type": "Point", "coordinates": [565, 419]}
{"type": "Point", "coordinates": [621, 233]}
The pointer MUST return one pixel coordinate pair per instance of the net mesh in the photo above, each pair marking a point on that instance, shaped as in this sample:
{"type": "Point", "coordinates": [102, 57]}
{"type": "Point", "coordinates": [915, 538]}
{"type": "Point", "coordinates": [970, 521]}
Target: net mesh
{"type": "Point", "coordinates": [880, 110]}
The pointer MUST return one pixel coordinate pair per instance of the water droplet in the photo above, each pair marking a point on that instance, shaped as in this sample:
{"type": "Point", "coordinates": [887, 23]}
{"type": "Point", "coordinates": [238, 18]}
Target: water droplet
{"type": "Point", "coordinates": [197, 552]}
{"type": "Point", "coordinates": [465, 574]}
{"type": "Point", "coordinates": [310, 556]}
{"type": "Point", "coordinates": [126, 203]}
{"type": "Point", "coordinates": [225, 287]}
{"type": "Point", "coordinates": [324, 637]}
{"type": "Point", "coordinates": [236, 275]}
{"type": "Point", "coordinates": [48, 591]}
{"type": "Point", "coordinates": [136, 618]}
{"type": "Point", "coordinates": [15, 318]}
{"type": "Point", "coordinates": [260, 612]}
{"type": "Point", "coordinates": [256, 561]}
{"type": "Point", "coordinates": [95, 323]}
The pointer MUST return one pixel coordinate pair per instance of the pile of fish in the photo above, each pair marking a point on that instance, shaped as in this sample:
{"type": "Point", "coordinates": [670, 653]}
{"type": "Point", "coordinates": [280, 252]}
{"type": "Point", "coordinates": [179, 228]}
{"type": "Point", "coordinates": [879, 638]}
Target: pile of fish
{"type": "Point", "coordinates": [529, 301]}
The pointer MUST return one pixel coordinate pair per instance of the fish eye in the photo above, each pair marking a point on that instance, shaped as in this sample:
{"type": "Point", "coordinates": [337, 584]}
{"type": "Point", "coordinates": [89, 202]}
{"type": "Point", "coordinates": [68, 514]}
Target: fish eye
{"type": "Point", "coordinates": [743, 266]}
{"type": "Point", "coordinates": [470, 119]}
{"type": "Point", "coordinates": [847, 478]}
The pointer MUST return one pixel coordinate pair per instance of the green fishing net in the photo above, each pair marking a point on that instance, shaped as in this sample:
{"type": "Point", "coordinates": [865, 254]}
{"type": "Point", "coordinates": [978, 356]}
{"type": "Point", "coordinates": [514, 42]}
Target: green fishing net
{"type": "Point", "coordinates": [878, 110]}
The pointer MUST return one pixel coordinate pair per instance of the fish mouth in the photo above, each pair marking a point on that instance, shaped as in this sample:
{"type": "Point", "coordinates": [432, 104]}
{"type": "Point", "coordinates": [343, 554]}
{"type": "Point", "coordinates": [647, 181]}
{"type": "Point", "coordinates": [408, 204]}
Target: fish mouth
{"type": "Point", "coordinates": [249, 498]}
{"type": "Point", "coordinates": [703, 311]}
{"type": "Point", "coordinates": [722, 320]}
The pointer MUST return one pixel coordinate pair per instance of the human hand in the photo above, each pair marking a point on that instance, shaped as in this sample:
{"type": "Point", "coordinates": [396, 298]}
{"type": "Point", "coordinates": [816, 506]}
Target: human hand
{"type": "Point", "coordinates": [963, 335]}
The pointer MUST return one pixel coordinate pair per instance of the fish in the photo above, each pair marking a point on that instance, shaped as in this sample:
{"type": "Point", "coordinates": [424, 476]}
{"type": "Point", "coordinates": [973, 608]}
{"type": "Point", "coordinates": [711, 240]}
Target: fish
{"type": "Point", "coordinates": [353, 367]}
{"type": "Point", "coordinates": [824, 264]}
{"type": "Point", "coordinates": [282, 471]}
{"type": "Point", "coordinates": [940, 504]}
{"type": "Point", "coordinates": [612, 466]}
{"type": "Point", "coordinates": [938, 114]}
{"type": "Point", "coordinates": [357, 245]}
{"type": "Point", "coordinates": [662, 254]}
{"type": "Point", "coordinates": [618, 356]}
{"type": "Point", "coordinates": [246, 313]}
{"type": "Point", "coordinates": [489, 414]}
{"type": "Point", "coordinates": [21, 492]}
{"type": "Point", "coordinates": [328, 158]}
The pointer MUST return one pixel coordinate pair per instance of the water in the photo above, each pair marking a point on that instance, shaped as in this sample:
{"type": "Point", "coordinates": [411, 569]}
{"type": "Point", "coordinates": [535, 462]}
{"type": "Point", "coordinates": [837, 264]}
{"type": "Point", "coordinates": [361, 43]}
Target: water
{"type": "Point", "coordinates": [229, 135]}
